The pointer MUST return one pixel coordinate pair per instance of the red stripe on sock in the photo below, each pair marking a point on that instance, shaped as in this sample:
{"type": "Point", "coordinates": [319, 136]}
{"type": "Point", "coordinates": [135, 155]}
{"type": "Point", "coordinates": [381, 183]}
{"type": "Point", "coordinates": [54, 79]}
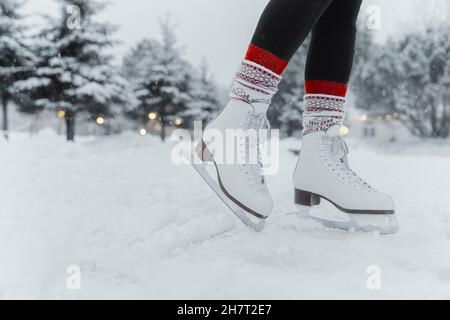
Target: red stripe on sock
{"type": "Point", "coordinates": [266, 59]}
{"type": "Point", "coordinates": [326, 87]}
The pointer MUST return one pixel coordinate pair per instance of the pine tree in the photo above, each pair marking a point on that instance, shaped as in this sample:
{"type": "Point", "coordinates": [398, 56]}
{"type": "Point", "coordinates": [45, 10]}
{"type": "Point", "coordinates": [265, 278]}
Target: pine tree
{"type": "Point", "coordinates": [161, 79]}
{"type": "Point", "coordinates": [373, 77]}
{"type": "Point", "coordinates": [204, 103]}
{"type": "Point", "coordinates": [15, 58]}
{"type": "Point", "coordinates": [424, 87]}
{"type": "Point", "coordinates": [136, 68]}
{"type": "Point", "coordinates": [74, 73]}
{"type": "Point", "coordinates": [409, 78]}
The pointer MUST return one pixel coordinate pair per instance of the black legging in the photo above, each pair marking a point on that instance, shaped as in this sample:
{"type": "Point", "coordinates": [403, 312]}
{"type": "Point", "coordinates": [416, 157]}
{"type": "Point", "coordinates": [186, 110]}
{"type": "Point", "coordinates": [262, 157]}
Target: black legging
{"type": "Point", "coordinates": [285, 24]}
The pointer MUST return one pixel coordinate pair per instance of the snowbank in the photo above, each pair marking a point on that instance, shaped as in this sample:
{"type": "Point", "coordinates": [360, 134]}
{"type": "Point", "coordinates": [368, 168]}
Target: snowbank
{"type": "Point", "coordinates": [140, 227]}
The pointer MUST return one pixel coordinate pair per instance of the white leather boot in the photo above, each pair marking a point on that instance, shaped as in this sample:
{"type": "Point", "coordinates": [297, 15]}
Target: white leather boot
{"type": "Point", "coordinates": [323, 173]}
{"type": "Point", "coordinates": [240, 182]}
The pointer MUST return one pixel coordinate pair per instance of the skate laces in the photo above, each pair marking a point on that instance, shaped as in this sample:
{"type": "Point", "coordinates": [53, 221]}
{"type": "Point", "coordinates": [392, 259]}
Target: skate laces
{"type": "Point", "coordinates": [339, 162]}
{"type": "Point", "coordinates": [256, 122]}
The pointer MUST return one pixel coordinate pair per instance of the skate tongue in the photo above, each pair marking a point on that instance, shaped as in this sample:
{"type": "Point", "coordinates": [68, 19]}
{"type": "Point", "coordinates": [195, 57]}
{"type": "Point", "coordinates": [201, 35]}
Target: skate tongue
{"type": "Point", "coordinates": [334, 131]}
{"type": "Point", "coordinates": [256, 107]}
{"type": "Point", "coordinates": [260, 108]}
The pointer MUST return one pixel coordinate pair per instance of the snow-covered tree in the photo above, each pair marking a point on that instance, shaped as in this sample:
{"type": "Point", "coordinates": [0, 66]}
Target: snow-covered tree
{"type": "Point", "coordinates": [15, 58]}
{"type": "Point", "coordinates": [160, 77]}
{"type": "Point", "coordinates": [373, 78]}
{"type": "Point", "coordinates": [409, 76]}
{"type": "Point", "coordinates": [423, 65]}
{"type": "Point", "coordinates": [74, 73]}
{"type": "Point", "coordinates": [205, 102]}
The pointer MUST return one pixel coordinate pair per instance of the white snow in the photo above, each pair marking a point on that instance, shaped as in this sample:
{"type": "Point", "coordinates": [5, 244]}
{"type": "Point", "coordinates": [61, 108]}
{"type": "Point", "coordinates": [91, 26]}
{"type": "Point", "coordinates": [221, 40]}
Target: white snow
{"type": "Point", "coordinates": [140, 227]}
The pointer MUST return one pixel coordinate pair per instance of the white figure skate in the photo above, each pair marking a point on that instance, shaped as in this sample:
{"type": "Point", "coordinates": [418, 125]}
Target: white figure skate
{"type": "Point", "coordinates": [240, 185]}
{"type": "Point", "coordinates": [323, 173]}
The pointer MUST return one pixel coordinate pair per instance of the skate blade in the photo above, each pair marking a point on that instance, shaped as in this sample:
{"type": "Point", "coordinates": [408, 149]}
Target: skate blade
{"type": "Point", "coordinates": [248, 219]}
{"type": "Point", "coordinates": [384, 224]}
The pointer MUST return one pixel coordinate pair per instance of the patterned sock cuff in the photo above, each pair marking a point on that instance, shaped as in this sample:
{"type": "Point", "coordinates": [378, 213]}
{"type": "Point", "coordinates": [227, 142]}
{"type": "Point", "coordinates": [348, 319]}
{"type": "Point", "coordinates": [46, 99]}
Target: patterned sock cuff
{"type": "Point", "coordinates": [321, 112]}
{"type": "Point", "coordinates": [255, 83]}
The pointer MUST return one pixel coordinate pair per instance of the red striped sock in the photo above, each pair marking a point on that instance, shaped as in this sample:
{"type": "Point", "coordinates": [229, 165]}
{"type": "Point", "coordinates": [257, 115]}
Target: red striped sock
{"type": "Point", "coordinates": [326, 87]}
{"type": "Point", "coordinates": [266, 59]}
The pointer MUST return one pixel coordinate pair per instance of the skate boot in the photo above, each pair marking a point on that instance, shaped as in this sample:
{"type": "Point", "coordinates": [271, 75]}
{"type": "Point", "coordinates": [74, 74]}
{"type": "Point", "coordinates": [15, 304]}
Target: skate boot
{"type": "Point", "coordinates": [240, 183]}
{"type": "Point", "coordinates": [323, 173]}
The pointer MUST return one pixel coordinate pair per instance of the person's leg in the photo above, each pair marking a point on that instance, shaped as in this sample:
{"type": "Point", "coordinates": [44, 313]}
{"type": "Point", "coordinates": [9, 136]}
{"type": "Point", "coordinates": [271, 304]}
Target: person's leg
{"type": "Point", "coordinates": [330, 56]}
{"type": "Point", "coordinates": [285, 24]}
{"type": "Point", "coordinates": [323, 170]}
{"type": "Point", "coordinates": [283, 27]}
{"type": "Point", "coordinates": [329, 63]}
{"type": "Point", "coordinates": [281, 30]}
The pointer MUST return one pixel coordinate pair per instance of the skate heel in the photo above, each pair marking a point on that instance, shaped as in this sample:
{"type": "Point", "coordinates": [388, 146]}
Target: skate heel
{"type": "Point", "coordinates": [203, 153]}
{"type": "Point", "coordinates": [306, 198]}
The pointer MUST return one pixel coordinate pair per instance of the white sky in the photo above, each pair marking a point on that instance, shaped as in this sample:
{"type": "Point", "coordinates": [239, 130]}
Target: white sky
{"type": "Point", "coordinates": [217, 30]}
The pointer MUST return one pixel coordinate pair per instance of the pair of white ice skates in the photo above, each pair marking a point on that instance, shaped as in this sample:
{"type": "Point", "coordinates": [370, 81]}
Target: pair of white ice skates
{"type": "Point", "coordinates": [322, 174]}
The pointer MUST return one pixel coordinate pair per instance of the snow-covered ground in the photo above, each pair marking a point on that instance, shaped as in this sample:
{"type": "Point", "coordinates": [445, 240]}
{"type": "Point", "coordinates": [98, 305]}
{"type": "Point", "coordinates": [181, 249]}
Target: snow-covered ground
{"type": "Point", "coordinates": [140, 227]}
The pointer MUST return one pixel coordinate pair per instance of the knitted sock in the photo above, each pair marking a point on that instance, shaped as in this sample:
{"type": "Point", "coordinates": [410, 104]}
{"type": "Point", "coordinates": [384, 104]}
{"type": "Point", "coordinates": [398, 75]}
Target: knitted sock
{"type": "Point", "coordinates": [323, 105]}
{"type": "Point", "coordinates": [259, 76]}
